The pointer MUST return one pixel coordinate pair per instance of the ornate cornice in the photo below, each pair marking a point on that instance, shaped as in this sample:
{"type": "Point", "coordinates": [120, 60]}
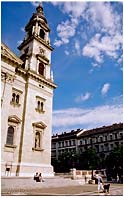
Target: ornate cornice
{"type": "Point", "coordinates": [40, 78]}
{"type": "Point", "coordinates": [31, 74]}
{"type": "Point", "coordinates": [14, 119]}
{"type": "Point", "coordinates": [8, 55]}
{"type": "Point", "coordinates": [42, 58]}
{"type": "Point", "coordinates": [40, 125]}
{"type": "Point", "coordinates": [6, 77]}
{"type": "Point", "coordinates": [42, 41]}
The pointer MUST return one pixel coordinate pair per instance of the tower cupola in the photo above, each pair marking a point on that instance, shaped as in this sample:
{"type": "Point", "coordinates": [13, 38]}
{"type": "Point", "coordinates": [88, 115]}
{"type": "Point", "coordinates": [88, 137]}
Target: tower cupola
{"type": "Point", "coordinates": [37, 25]}
{"type": "Point", "coordinates": [35, 50]}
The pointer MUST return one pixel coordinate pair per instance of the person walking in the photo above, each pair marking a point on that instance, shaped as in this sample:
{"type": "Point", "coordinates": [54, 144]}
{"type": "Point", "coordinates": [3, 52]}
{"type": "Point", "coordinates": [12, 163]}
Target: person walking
{"type": "Point", "coordinates": [100, 183]}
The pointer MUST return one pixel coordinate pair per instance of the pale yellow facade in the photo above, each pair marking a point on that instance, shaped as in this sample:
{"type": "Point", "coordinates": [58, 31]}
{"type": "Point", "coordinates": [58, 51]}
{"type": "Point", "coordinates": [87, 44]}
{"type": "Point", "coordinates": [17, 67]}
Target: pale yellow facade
{"type": "Point", "coordinates": [26, 103]}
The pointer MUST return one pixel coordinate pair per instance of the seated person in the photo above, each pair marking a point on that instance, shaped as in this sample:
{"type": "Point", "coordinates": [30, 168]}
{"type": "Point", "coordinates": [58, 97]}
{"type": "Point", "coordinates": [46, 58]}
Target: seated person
{"type": "Point", "coordinates": [40, 177]}
{"type": "Point", "coordinates": [36, 177]}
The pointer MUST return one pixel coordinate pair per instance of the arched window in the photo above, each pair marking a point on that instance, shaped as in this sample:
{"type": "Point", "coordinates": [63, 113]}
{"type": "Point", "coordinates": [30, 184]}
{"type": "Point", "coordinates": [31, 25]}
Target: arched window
{"type": "Point", "coordinates": [41, 69]}
{"type": "Point", "coordinates": [17, 99]}
{"type": "Point", "coordinates": [42, 34]}
{"type": "Point", "coordinates": [13, 97]}
{"type": "Point", "coordinates": [41, 106]}
{"type": "Point", "coordinates": [10, 135]}
{"type": "Point", "coordinates": [37, 140]}
{"type": "Point", "coordinates": [38, 105]}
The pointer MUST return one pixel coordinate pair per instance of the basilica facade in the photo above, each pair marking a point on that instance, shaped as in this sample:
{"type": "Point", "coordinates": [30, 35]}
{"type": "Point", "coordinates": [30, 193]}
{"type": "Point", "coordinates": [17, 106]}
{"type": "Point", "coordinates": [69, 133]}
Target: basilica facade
{"type": "Point", "coordinates": [26, 102]}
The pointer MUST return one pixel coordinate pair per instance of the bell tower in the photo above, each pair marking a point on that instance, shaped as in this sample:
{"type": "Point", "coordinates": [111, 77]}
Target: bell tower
{"type": "Point", "coordinates": [36, 48]}
{"type": "Point", "coordinates": [35, 140]}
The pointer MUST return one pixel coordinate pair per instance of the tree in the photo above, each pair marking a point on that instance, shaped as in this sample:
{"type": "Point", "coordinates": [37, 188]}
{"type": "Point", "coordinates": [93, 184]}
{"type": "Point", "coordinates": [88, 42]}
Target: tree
{"type": "Point", "coordinates": [90, 159]}
{"type": "Point", "coordinates": [66, 161]}
{"type": "Point", "coordinates": [114, 163]}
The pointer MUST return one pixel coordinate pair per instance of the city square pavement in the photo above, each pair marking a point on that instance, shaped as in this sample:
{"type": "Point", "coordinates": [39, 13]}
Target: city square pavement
{"type": "Point", "coordinates": [56, 186]}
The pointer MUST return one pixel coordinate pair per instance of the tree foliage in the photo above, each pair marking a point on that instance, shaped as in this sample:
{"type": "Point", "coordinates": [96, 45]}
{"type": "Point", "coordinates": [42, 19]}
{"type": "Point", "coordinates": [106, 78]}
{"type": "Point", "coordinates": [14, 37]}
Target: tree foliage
{"type": "Point", "coordinates": [90, 160]}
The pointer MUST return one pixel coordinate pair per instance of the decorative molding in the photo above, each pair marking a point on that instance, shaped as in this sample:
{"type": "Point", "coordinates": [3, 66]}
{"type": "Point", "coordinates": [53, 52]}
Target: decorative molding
{"type": "Point", "coordinates": [17, 90]}
{"type": "Point", "coordinates": [14, 119]}
{"type": "Point", "coordinates": [39, 110]}
{"type": "Point", "coordinates": [37, 149]}
{"type": "Point", "coordinates": [40, 79]}
{"type": "Point", "coordinates": [10, 146]}
{"type": "Point", "coordinates": [6, 77]}
{"type": "Point", "coordinates": [40, 98]}
{"type": "Point", "coordinates": [45, 43]}
{"type": "Point", "coordinates": [9, 55]}
{"type": "Point", "coordinates": [42, 58]}
{"type": "Point", "coordinates": [15, 104]}
{"type": "Point", "coordinates": [40, 125]}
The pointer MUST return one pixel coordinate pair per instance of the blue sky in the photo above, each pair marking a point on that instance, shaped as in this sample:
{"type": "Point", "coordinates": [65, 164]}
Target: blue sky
{"type": "Point", "coordinates": [87, 58]}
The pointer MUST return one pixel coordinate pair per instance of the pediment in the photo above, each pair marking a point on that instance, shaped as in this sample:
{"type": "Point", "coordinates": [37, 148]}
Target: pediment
{"type": "Point", "coordinates": [14, 119]}
{"type": "Point", "coordinates": [40, 125]}
{"type": "Point", "coordinates": [9, 55]}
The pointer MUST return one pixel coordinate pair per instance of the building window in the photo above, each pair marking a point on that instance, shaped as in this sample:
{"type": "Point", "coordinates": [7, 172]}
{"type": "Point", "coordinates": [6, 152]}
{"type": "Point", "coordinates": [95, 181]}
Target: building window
{"type": "Point", "coordinates": [42, 34]}
{"type": "Point", "coordinates": [106, 147]}
{"type": "Point", "coordinates": [62, 144]}
{"type": "Point", "coordinates": [110, 137]}
{"type": "Point", "coordinates": [121, 135]}
{"type": "Point", "coordinates": [13, 122]}
{"type": "Point", "coordinates": [101, 139]}
{"type": "Point", "coordinates": [116, 136]}
{"type": "Point", "coordinates": [90, 141]}
{"type": "Point", "coordinates": [97, 148]}
{"type": "Point", "coordinates": [102, 148]}
{"type": "Point", "coordinates": [41, 69]}
{"type": "Point", "coordinates": [73, 142]}
{"type": "Point", "coordinates": [59, 144]}
{"type": "Point", "coordinates": [16, 97]}
{"type": "Point", "coordinates": [66, 143]}
{"type": "Point", "coordinates": [40, 104]}
{"type": "Point", "coordinates": [105, 138]}
{"type": "Point", "coordinates": [10, 135]}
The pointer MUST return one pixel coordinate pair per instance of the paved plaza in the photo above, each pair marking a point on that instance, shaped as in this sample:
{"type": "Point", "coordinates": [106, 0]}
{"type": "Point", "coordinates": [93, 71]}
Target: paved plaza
{"type": "Point", "coordinates": [53, 187]}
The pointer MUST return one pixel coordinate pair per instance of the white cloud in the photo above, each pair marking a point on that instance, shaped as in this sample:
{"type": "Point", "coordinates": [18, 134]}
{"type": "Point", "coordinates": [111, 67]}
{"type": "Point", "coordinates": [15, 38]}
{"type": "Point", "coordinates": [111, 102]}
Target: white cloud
{"type": "Point", "coordinates": [77, 47]}
{"type": "Point", "coordinates": [66, 52]}
{"type": "Point", "coordinates": [88, 118]}
{"type": "Point", "coordinates": [105, 89]}
{"type": "Point", "coordinates": [76, 9]}
{"type": "Point", "coordinates": [101, 17]}
{"type": "Point", "coordinates": [58, 43]}
{"type": "Point", "coordinates": [65, 31]}
{"type": "Point", "coordinates": [84, 97]}
{"type": "Point", "coordinates": [99, 44]}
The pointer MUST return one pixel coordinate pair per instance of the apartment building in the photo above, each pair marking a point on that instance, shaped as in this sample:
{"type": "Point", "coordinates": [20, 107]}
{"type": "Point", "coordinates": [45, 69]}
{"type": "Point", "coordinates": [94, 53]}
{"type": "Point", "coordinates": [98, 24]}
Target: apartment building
{"type": "Point", "coordinates": [104, 139]}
